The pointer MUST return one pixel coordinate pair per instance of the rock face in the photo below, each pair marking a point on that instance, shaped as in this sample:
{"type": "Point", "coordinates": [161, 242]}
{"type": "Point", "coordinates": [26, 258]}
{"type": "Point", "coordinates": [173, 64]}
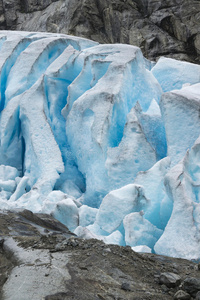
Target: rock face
{"type": "Point", "coordinates": [169, 28]}
{"type": "Point", "coordinates": [41, 259]}
{"type": "Point", "coordinates": [25, 271]}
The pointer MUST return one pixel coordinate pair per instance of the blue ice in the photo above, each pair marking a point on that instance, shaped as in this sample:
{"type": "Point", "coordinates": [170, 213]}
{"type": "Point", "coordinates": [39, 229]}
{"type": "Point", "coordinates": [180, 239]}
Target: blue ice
{"type": "Point", "coordinates": [103, 139]}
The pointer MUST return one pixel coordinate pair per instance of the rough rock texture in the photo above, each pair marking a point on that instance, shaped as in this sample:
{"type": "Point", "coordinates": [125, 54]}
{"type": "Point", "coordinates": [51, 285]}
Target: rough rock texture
{"type": "Point", "coordinates": [41, 259]}
{"type": "Point", "coordinates": [169, 28]}
{"type": "Point", "coordinates": [192, 285]}
{"type": "Point", "coordinates": [170, 279]}
{"type": "Point", "coordinates": [181, 295]}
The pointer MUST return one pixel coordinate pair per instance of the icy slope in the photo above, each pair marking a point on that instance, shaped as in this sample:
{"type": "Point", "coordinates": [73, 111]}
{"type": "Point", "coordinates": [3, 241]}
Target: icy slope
{"type": "Point", "coordinates": [103, 139]}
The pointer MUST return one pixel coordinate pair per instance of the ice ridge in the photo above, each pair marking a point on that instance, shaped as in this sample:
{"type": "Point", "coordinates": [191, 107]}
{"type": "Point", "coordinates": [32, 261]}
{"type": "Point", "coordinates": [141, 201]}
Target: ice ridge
{"type": "Point", "coordinates": [92, 135]}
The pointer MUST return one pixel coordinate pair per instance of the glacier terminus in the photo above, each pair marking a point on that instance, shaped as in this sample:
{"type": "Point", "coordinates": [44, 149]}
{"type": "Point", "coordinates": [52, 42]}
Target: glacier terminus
{"type": "Point", "coordinates": [103, 139]}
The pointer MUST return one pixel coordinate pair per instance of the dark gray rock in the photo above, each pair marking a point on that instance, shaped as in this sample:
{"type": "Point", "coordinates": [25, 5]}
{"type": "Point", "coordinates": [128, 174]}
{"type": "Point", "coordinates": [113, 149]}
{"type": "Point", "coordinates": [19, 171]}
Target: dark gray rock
{"type": "Point", "coordinates": [197, 296]}
{"type": "Point", "coordinates": [126, 286]}
{"type": "Point", "coordinates": [181, 295]}
{"type": "Point", "coordinates": [39, 255]}
{"type": "Point", "coordinates": [171, 280]}
{"type": "Point", "coordinates": [57, 296]}
{"type": "Point", "coordinates": [192, 285]}
{"type": "Point", "coordinates": [170, 28]}
{"type": "Point", "coordinates": [45, 221]}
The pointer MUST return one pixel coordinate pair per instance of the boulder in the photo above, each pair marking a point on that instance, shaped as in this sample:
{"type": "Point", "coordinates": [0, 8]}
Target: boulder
{"type": "Point", "coordinates": [192, 285]}
{"type": "Point", "coordinates": [181, 295]}
{"type": "Point", "coordinates": [169, 279]}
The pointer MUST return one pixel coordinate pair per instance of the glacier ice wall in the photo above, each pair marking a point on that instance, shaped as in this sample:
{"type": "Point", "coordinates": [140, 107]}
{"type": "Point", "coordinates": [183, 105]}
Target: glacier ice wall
{"type": "Point", "coordinates": [102, 139]}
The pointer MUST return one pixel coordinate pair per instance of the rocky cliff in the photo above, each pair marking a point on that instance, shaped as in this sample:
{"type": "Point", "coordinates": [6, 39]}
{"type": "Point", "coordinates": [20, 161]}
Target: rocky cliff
{"type": "Point", "coordinates": [169, 28]}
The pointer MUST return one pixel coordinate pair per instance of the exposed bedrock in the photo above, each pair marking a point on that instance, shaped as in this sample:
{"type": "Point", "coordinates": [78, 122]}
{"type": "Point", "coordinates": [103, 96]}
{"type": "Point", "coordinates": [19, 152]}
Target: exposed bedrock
{"type": "Point", "coordinates": [41, 259]}
{"type": "Point", "coordinates": [170, 28]}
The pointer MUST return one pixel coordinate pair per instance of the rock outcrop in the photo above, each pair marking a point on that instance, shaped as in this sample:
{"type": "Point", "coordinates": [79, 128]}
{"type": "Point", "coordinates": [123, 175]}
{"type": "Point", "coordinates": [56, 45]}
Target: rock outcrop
{"type": "Point", "coordinates": [41, 259]}
{"type": "Point", "coordinates": [159, 28]}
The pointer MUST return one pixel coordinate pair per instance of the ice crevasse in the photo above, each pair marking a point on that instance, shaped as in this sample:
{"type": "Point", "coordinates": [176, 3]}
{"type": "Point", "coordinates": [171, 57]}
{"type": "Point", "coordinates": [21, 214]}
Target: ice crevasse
{"type": "Point", "coordinates": [103, 139]}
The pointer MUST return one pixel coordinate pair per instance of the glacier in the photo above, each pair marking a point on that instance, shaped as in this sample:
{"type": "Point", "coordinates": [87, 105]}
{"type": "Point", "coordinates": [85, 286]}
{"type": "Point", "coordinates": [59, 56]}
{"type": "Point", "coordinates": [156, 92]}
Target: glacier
{"type": "Point", "coordinates": [102, 139]}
